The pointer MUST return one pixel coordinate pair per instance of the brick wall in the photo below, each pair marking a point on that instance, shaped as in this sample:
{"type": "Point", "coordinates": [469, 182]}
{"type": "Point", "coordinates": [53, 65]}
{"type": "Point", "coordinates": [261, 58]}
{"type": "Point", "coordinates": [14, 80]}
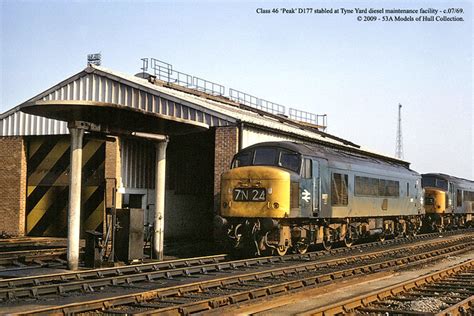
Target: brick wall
{"type": "Point", "coordinates": [226, 146]}
{"type": "Point", "coordinates": [12, 185]}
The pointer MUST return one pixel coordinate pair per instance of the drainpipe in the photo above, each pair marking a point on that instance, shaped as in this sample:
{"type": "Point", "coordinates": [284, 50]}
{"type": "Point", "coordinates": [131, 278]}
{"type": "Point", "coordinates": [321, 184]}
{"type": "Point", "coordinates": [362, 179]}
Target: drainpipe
{"type": "Point", "coordinates": [241, 135]}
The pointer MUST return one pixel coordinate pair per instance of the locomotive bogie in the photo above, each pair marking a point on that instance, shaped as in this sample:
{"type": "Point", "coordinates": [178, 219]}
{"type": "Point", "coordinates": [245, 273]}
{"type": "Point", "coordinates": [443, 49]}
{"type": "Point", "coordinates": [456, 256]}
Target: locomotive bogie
{"type": "Point", "coordinates": [364, 202]}
{"type": "Point", "coordinates": [277, 236]}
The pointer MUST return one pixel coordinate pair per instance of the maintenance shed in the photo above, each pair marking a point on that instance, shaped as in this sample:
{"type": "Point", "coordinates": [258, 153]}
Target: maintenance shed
{"type": "Point", "coordinates": [121, 116]}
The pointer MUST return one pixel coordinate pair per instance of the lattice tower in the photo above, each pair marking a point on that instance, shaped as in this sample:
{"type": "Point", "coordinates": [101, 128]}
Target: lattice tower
{"type": "Point", "coordinates": [399, 146]}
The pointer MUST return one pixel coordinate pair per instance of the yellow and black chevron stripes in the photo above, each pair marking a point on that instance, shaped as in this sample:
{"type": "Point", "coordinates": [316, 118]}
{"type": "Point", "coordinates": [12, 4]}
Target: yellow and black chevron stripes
{"type": "Point", "coordinates": [48, 191]}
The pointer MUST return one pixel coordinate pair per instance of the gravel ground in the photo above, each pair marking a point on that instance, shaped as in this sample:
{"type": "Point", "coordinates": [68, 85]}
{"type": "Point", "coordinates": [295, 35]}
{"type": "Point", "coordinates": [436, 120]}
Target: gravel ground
{"type": "Point", "coordinates": [308, 300]}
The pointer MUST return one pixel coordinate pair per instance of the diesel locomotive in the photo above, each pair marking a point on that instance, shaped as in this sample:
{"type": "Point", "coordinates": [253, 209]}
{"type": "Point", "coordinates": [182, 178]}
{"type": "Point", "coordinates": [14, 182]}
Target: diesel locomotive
{"type": "Point", "coordinates": [285, 195]}
{"type": "Point", "coordinates": [449, 201]}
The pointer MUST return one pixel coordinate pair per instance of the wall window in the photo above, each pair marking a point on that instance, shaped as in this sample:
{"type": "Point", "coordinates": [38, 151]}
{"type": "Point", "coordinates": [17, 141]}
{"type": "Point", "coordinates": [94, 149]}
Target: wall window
{"type": "Point", "coordinates": [360, 185]}
{"type": "Point", "coordinates": [339, 195]}
{"type": "Point", "coordinates": [408, 189]}
{"type": "Point", "coordinates": [365, 186]}
{"type": "Point", "coordinates": [382, 188]}
{"type": "Point", "coordinates": [468, 196]}
{"type": "Point", "coordinates": [392, 188]}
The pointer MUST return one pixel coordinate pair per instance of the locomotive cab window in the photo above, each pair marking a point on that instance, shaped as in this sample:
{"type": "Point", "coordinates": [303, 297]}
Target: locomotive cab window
{"type": "Point", "coordinates": [434, 183]}
{"type": "Point", "coordinates": [242, 159]}
{"type": "Point", "coordinates": [307, 170]}
{"type": "Point", "coordinates": [265, 156]}
{"type": "Point", "coordinates": [289, 160]}
{"type": "Point", "coordinates": [268, 156]}
{"type": "Point", "coordinates": [442, 184]}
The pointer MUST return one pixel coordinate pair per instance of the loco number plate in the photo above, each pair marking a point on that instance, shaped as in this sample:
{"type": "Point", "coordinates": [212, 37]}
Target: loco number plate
{"type": "Point", "coordinates": [250, 194]}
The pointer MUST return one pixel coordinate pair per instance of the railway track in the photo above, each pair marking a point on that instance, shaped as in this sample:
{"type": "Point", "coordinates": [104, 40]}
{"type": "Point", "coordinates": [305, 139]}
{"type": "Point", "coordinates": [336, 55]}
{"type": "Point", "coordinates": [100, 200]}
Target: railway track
{"type": "Point", "coordinates": [36, 286]}
{"type": "Point", "coordinates": [220, 284]}
{"type": "Point", "coordinates": [27, 259]}
{"type": "Point", "coordinates": [25, 253]}
{"type": "Point", "coordinates": [446, 292]}
{"type": "Point", "coordinates": [28, 243]}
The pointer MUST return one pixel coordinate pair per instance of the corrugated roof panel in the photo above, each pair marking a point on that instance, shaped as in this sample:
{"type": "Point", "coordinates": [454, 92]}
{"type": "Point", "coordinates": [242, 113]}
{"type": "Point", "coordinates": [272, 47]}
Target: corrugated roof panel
{"type": "Point", "coordinates": [137, 164]}
{"type": "Point", "coordinates": [22, 124]}
{"type": "Point", "coordinates": [92, 85]}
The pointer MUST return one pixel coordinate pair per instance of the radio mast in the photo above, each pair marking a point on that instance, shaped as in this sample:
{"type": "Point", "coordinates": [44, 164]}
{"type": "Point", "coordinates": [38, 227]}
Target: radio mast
{"type": "Point", "coordinates": [399, 146]}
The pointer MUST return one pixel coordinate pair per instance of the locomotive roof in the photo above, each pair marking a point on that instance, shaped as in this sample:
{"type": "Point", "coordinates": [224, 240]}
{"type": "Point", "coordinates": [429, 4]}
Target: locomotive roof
{"type": "Point", "coordinates": [465, 183]}
{"type": "Point", "coordinates": [338, 154]}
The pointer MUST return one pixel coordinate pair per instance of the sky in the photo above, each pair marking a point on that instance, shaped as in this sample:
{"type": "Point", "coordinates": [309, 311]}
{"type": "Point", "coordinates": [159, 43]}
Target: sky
{"type": "Point", "coordinates": [356, 72]}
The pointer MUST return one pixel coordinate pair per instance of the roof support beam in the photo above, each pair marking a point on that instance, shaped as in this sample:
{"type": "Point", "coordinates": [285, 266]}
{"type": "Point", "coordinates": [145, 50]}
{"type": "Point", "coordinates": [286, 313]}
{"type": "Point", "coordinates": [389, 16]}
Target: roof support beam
{"type": "Point", "coordinates": [159, 220]}
{"type": "Point", "coordinates": [76, 130]}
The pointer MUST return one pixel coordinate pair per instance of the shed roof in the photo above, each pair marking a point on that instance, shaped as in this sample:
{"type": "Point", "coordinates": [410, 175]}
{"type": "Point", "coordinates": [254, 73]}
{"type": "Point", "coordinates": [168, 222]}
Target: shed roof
{"type": "Point", "coordinates": [102, 85]}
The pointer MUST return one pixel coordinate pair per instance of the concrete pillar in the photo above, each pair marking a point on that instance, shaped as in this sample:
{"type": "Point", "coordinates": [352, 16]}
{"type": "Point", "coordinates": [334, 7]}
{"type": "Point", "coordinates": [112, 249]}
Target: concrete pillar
{"type": "Point", "coordinates": [160, 172]}
{"type": "Point", "coordinates": [74, 212]}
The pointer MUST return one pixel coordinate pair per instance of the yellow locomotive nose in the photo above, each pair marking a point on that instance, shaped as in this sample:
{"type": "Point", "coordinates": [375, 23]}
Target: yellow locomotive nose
{"type": "Point", "coordinates": [436, 201]}
{"type": "Point", "coordinates": [255, 191]}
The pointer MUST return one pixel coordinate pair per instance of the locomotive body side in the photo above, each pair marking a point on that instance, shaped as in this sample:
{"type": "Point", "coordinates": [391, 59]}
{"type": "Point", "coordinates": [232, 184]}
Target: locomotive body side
{"type": "Point", "coordinates": [372, 191]}
{"type": "Point", "coordinates": [282, 195]}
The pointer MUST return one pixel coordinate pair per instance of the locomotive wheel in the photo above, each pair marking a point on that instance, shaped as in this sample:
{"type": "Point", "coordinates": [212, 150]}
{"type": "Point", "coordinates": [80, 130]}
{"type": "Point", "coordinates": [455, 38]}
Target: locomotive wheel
{"type": "Point", "coordinates": [400, 231]}
{"type": "Point", "coordinates": [267, 252]}
{"type": "Point", "coordinates": [381, 237]}
{"type": "Point", "coordinates": [327, 244]}
{"type": "Point", "coordinates": [281, 250]}
{"type": "Point", "coordinates": [348, 241]}
{"type": "Point", "coordinates": [412, 230]}
{"type": "Point", "coordinates": [302, 248]}
{"type": "Point", "coordinates": [349, 238]}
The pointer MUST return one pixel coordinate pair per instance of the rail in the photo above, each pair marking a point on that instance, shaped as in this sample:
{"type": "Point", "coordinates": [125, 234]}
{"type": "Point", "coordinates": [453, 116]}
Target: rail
{"type": "Point", "coordinates": [59, 279]}
{"type": "Point", "coordinates": [248, 281]}
{"type": "Point", "coordinates": [23, 258]}
{"type": "Point", "coordinates": [448, 284]}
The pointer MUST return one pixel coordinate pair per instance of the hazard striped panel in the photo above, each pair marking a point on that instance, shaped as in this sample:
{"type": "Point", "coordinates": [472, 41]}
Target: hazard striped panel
{"type": "Point", "coordinates": [48, 186]}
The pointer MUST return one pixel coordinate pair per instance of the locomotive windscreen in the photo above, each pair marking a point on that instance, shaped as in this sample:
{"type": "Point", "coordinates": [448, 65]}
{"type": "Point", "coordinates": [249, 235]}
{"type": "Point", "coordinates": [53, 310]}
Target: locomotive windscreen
{"type": "Point", "coordinates": [434, 183]}
{"type": "Point", "coordinates": [268, 156]}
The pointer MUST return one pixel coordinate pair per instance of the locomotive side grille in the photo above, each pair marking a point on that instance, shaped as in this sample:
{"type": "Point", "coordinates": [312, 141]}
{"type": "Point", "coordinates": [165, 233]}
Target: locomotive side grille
{"type": "Point", "coordinates": [295, 195]}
